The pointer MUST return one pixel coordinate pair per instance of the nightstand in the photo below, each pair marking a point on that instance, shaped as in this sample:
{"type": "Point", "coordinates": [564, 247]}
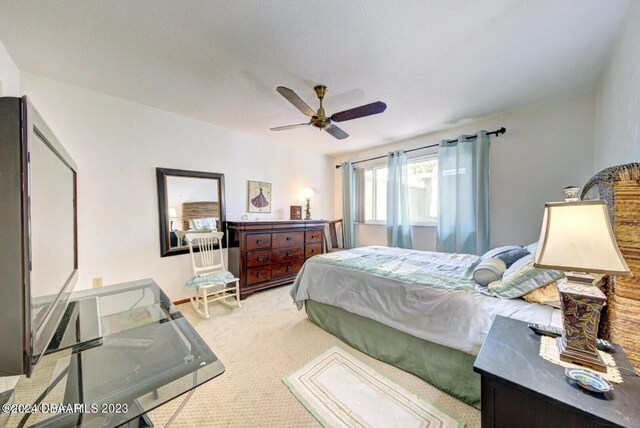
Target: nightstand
{"type": "Point", "coordinates": [521, 389]}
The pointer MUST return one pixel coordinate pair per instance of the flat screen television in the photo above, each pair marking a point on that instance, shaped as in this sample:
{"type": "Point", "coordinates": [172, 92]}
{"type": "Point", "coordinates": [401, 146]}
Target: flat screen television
{"type": "Point", "coordinates": [39, 249]}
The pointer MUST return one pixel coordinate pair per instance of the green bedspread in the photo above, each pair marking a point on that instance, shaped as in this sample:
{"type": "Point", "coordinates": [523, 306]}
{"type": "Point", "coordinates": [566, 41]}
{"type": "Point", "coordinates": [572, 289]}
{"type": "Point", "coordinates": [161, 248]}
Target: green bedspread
{"type": "Point", "coordinates": [437, 270]}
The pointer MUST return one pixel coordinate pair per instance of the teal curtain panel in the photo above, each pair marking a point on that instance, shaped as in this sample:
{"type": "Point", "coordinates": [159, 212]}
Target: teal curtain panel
{"type": "Point", "coordinates": [398, 225]}
{"type": "Point", "coordinates": [463, 195]}
{"type": "Point", "coordinates": [348, 204]}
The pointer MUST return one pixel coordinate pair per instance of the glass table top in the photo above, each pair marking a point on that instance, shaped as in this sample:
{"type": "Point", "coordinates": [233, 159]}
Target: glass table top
{"type": "Point", "coordinates": [137, 352]}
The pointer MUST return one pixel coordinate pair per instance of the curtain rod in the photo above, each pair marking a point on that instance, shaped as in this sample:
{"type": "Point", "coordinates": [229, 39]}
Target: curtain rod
{"type": "Point", "coordinates": [497, 132]}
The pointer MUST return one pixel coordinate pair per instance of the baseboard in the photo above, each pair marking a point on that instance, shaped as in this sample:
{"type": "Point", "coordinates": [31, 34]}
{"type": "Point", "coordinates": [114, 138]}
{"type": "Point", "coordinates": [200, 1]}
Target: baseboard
{"type": "Point", "coordinates": [179, 302]}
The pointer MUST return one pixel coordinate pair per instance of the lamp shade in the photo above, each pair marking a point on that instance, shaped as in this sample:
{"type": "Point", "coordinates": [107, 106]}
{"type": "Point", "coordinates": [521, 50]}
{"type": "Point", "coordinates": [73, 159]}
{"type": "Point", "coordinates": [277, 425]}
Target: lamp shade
{"type": "Point", "coordinates": [577, 236]}
{"type": "Point", "coordinates": [307, 193]}
{"type": "Point", "coordinates": [173, 213]}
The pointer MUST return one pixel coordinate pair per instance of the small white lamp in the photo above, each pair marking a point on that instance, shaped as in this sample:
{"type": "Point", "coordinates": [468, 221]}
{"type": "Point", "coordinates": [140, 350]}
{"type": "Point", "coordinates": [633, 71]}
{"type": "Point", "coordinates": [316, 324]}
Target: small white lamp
{"type": "Point", "coordinates": [173, 215]}
{"type": "Point", "coordinates": [577, 237]}
{"type": "Point", "coordinates": [307, 193]}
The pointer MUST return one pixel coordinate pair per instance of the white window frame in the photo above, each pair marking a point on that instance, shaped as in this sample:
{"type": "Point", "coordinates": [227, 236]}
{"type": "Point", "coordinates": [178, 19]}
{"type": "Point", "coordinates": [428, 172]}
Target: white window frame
{"type": "Point", "coordinates": [432, 156]}
{"type": "Point", "coordinates": [374, 192]}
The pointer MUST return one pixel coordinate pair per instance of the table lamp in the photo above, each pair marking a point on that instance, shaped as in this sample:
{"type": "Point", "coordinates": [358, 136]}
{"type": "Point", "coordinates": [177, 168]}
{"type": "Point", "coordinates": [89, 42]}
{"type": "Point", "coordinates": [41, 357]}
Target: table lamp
{"type": "Point", "coordinates": [577, 237]}
{"type": "Point", "coordinates": [307, 193]}
{"type": "Point", "coordinates": [173, 215]}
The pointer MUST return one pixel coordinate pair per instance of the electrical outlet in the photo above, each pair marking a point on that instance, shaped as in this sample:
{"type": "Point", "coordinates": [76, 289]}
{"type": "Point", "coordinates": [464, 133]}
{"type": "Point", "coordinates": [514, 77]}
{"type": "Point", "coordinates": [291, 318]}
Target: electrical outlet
{"type": "Point", "coordinates": [96, 282]}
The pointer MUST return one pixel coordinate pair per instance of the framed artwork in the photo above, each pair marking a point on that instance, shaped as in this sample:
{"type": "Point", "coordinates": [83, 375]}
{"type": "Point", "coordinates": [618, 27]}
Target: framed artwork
{"type": "Point", "coordinates": [296, 212]}
{"type": "Point", "coordinates": [259, 197]}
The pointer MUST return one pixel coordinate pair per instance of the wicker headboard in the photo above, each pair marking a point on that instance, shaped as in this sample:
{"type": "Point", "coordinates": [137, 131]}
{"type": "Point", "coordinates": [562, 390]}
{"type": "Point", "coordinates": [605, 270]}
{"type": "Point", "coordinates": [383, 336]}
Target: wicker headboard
{"type": "Point", "coordinates": [193, 210]}
{"type": "Point", "coordinates": [619, 187]}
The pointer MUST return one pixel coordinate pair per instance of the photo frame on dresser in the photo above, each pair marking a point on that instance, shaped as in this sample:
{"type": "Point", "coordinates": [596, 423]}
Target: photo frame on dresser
{"type": "Point", "coordinates": [295, 212]}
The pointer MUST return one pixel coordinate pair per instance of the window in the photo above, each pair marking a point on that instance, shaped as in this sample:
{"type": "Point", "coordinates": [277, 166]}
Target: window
{"type": "Point", "coordinates": [375, 194]}
{"type": "Point", "coordinates": [423, 192]}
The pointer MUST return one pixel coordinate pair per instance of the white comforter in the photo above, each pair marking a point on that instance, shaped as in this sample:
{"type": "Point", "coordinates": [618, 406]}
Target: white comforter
{"type": "Point", "coordinates": [458, 319]}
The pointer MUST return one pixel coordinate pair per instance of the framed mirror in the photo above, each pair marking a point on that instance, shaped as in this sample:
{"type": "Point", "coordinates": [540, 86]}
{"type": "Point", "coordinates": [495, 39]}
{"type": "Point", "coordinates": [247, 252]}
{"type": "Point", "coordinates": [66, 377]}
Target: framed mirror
{"type": "Point", "coordinates": [188, 201]}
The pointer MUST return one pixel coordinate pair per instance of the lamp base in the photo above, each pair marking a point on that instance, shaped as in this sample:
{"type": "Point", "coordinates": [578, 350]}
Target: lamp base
{"type": "Point", "coordinates": [581, 305]}
{"type": "Point", "coordinates": [307, 211]}
{"type": "Point", "coordinates": [579, 356]}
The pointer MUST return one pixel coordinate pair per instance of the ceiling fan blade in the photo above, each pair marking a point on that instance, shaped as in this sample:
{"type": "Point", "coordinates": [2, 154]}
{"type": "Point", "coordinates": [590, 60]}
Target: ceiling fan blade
{"type": "Point", "coordinates": [282, 128]}
{"type": "Point", "coordinates": [336, 132]}
{"type": "Point", "coordinates": [294, 99]}
{"type": "Point", "coordinates": [358, 112]}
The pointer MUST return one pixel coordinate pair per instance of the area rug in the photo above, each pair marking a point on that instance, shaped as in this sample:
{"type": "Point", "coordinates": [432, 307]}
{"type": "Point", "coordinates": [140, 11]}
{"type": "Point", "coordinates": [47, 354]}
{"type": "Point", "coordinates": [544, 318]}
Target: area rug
{"type": "Point", "coordinates": [341, 391]}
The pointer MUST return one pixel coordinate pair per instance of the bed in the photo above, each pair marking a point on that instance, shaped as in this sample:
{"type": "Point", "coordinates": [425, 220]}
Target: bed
{"type": "Point", "coordinates": [199, 210]}
{"type": "Point", "coordinates": [453, 318]}
{"type": "Point", "coordinates": [196, 211]}
{"type": "Point", "coordinates": [417, 310]}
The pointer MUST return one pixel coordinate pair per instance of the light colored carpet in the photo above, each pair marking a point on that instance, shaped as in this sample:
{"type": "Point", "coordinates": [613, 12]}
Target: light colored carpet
{"type": "Point", "coordinates": [342, 391]}
{"type": "Point", "coordinates": [261, 342]}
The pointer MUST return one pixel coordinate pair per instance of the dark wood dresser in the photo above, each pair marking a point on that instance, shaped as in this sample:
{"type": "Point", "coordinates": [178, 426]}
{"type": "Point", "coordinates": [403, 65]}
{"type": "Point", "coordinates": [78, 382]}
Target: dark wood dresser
{"type": "Point", "coordinates": [265, 254]}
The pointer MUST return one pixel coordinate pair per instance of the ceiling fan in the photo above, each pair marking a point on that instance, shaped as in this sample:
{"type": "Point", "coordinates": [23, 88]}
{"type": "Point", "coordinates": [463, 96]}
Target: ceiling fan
{"type": "Point", "coordinates": [319, 118]}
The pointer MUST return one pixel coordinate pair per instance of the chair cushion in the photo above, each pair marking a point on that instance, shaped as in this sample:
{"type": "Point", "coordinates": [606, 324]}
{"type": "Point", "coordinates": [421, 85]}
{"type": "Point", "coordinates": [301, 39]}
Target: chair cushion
{"type": "Point", "coordinates": [213, 278]}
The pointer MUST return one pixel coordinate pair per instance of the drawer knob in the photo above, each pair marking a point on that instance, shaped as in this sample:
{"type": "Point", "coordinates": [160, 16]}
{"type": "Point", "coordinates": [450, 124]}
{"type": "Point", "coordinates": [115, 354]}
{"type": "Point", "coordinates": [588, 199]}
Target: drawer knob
{"type": "Point", "coordinates": [313, 236]}
{"type": "Point", "coordinates": [259, 241]}
{"type": "Point", "coordinates": [289, 238]}
{"type": "Point", "coordinates": [259, 274]}
{"type": "Point", "coordinates": [288, 253]}
{"type": "Point", "coordinates": [288, 268]}
{"type": "Point", "coordinates": [313, 250]}
{"type": "Point", "coordinates": [260, 258]}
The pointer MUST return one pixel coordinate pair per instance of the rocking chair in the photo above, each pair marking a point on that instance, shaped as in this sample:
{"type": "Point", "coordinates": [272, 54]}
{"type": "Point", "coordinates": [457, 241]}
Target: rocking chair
{"type": "Point", "coordinates": [211, 281]}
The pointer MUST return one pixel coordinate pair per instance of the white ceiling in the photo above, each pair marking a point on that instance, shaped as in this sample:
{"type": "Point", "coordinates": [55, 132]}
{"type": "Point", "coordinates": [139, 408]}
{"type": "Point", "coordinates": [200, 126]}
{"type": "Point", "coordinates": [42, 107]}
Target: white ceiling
{"type": "Point", "coordinates": [434, 63]}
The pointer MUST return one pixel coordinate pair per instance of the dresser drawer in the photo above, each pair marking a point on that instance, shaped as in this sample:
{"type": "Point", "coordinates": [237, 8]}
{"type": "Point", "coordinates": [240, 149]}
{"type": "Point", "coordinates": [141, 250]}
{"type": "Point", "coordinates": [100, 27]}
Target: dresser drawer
{"type": "Point", "coordinates": [286, 254]}
{"type": "Point", "coordinates": [312, 250]}
{"type": "Point", "coordinates": [258, 258]}
{"type": "Point", "coordinates": [284, 269]}
{"type": "Point", "coordinates": [313, 237]}
{"type": "Point", "coordinates": [259, 274]}
{"type": "Point", "coordinates": [288, 239]}
{"type": "Point", "coordinates": [258, 241]}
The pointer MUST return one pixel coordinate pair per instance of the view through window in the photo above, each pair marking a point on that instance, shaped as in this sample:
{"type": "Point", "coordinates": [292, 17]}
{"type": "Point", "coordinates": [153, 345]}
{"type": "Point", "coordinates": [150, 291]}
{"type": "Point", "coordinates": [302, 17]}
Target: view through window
{"type": "Point", "coordinates": [423, 192]}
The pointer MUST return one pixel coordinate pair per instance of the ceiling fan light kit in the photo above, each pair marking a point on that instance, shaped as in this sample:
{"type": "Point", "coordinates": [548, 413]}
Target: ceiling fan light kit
{"type": "Point", "coordinates": [319, 119]}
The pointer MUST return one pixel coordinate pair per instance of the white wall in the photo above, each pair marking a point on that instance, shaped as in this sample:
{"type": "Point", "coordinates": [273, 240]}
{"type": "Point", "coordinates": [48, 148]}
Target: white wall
{"type": "Point", "coordinates": [547, 147]}
{"type": "Point", "coordinates": [9, 75]}
{"type": "Point", "coordinates": [618, 130]}
{"type": "Point", "coordinates": [117, 145]}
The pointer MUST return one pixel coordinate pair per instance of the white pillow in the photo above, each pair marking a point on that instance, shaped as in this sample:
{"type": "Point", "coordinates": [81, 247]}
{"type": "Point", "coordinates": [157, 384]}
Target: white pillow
{"type": "Point", "coordinates": [208, 223]}
{"type": "Point", "coordinates": [532, 248]}
{"type": "Point", "coordinates": [521, 278]}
